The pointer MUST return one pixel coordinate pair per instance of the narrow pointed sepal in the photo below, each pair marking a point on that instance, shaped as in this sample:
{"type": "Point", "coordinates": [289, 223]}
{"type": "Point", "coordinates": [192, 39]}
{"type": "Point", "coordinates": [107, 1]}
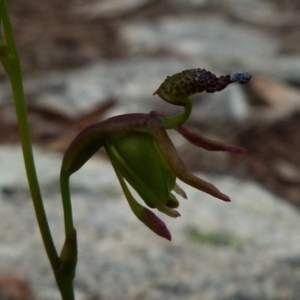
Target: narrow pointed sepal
{"type": "Point", "coordinates": [201, 141]}
{"type": "Point", "coordinates": [208, 144]}
{"type": "Point", "coordinates": [179, 191]}
{"type": "Point", "coordinates": [146, 216]}
{"type": "Point", "coordinates": [173, 213]}
{"type": "Point", "coordinates": [202, 185]}
{"type": "Point", "coordinates": [179, 168]}
{"type": "Point", "coordinates": [154, 223]}
{"type": "Point", "coordinates": [142, 213]}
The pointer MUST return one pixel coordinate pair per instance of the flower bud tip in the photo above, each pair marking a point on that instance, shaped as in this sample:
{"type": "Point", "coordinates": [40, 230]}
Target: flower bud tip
{"type": "Point", "coordinates": [226, 198]}
{"type": "Point", "coordinates": [240, 77]}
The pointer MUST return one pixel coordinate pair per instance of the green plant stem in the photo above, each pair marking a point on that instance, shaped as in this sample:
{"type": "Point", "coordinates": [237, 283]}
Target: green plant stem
{"type": "Point", "coordinates": [12, 65]}
{"type": "Point", "coordinates": [67, 205]}
{"type": "Point", "coordinates": [10, 60]}
{"type": "Point", "coordinates": [176, 121]}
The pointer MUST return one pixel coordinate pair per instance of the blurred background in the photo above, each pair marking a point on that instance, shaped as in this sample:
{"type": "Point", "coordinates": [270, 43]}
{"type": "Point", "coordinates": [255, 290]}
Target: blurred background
{"type": "Point", "coordinates": [84, 61]}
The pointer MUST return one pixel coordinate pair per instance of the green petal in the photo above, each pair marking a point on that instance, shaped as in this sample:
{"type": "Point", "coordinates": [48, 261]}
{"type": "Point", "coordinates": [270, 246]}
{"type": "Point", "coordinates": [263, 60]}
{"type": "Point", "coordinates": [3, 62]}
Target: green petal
{"type": "Point", "coordinates": [146, 193]}
{"type": "Point", "coordinates": [142, 213]}
{"type": "Point", "coordinates": [144, 157]}
{"type": "Point", "coordinates": [140, 157]}
{"type": "Point", "coordinates": [173, 202]}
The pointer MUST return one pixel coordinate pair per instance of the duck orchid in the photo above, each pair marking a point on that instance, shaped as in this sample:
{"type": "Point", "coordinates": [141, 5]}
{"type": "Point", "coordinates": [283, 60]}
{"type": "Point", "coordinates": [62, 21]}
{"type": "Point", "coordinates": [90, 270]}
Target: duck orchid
{"type": "Point", "coordinates": [142, 153]}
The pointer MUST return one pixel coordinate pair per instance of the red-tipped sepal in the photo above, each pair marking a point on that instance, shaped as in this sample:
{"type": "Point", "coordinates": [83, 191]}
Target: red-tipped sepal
{"type": "Point", "coordinates": [208, 144]}
{"type": "Point", "coordinates": [154, 223]}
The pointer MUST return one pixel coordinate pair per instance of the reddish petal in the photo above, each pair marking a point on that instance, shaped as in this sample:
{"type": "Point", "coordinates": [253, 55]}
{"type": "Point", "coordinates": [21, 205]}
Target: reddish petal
{"type": "Point", "coordinates": [178, 167]}
{"type": "Point", "coordinates": [154, 223]}
{"type": "Point", "coordinates": [206, 143]}
{"type": "Point", "coordinates": [201, 141]}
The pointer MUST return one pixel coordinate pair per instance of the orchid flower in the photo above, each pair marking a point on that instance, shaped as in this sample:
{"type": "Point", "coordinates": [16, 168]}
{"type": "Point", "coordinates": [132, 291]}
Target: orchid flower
{"type": "Point", "coordinates": [142, 153]}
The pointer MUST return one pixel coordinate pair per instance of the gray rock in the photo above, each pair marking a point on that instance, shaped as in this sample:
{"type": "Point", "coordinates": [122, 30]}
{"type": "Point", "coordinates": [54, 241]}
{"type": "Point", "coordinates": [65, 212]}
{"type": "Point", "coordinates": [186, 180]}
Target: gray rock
{"type": "Point", "coordinates": [212, 37]}
{"type": "Point", "coordinates": [131, 82]}
{"type": "Point", "coordinates": [105, 9]}
{"type": "Point", "coordinates": [224, 44]}
{"type": "Point", "coordinates": [247, 249]}
{"type": "Point", "coordinates": [229, 106]}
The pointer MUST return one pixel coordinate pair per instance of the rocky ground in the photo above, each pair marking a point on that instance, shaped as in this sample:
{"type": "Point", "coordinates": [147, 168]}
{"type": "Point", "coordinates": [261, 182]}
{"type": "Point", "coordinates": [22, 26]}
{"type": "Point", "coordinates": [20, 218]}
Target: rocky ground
{"type": "Point", "coordinates": [111, 62]}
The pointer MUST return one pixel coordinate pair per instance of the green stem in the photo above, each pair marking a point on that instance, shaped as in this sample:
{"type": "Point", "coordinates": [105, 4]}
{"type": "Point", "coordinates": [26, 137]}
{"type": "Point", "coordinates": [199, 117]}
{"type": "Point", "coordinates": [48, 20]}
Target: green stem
{"type": "Point", "coordinates": [176, 121]}
{"type": "Point", "coordinates": [12, 65]}
{"type": "Point", "coordinates": [10, 60]}
{"type": "Point", "coordinates": [67, 205]}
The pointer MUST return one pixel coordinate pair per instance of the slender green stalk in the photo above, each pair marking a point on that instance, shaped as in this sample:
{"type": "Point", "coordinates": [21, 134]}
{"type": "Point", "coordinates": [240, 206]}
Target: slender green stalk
{"type": "Point", "coordinates": [176, 121]}
{"type": "Point", "coordinates": [64, 266]}
{"type": "Point", "coordinates": [67, 205]}
{"type": "Point", "coordinates": [12, 66]}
